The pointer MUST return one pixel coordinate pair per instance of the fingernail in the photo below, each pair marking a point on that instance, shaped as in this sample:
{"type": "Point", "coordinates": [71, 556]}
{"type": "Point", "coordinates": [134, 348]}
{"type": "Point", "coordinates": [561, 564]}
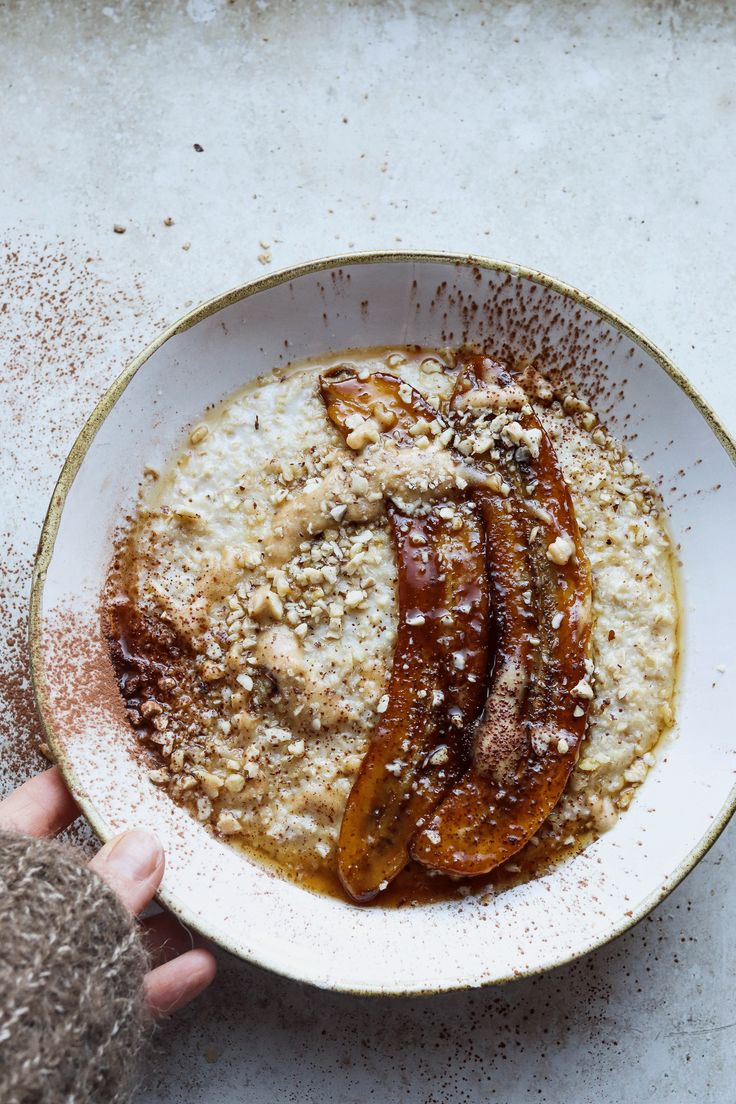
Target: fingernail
{"type": "Point", "coordinates": [136, 854]}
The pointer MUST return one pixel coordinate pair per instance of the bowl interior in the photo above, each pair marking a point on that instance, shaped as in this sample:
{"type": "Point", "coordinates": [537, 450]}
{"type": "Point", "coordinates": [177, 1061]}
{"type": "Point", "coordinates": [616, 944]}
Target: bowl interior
{"type": "Point", "coordinates": [351, 304]}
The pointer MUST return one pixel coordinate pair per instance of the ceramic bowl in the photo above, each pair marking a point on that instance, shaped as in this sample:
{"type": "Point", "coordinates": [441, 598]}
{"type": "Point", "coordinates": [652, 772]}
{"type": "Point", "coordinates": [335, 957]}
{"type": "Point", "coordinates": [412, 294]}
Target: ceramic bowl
{"type": "Point", "coordinates": [352, 302]}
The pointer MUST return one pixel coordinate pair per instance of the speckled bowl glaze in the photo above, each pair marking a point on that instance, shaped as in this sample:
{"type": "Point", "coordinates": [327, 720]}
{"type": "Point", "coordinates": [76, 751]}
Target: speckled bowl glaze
{"type": "Point", "coordinates": [384, 299]}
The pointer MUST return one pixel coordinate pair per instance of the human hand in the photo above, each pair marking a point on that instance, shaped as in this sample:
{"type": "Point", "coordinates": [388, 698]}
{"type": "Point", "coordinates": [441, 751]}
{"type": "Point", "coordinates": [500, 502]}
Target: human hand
{"type": "Point", "coordinates": [132, 864]}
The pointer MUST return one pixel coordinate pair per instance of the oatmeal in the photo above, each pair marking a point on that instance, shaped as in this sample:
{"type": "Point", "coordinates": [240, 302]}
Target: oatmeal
{"type": "Point", "coordinates": [254, 604]}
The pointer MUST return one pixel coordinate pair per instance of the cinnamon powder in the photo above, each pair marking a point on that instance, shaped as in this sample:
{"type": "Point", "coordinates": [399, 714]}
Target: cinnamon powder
{"type": "Point", "coordinates": [65, 333]}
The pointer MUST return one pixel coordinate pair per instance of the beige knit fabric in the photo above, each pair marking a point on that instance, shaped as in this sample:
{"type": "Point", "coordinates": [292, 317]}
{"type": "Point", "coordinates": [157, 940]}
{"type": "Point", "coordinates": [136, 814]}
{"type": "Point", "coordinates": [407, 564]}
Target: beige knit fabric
{"type": "Point", "coordinates": [71, 968]}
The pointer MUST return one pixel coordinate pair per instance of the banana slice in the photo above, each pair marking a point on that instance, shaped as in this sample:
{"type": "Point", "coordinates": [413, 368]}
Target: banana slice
{"type": "Point", "coordinates": [436, 690]}
{"type": "Point", "coordinates": [528, 737]}
{"type": "Point", "coordinates": [439, 673]}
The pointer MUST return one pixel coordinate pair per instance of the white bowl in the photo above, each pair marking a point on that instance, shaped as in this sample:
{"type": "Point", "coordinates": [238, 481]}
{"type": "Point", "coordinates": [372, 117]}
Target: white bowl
{"type": "Point", "coordinates": [379, 299]}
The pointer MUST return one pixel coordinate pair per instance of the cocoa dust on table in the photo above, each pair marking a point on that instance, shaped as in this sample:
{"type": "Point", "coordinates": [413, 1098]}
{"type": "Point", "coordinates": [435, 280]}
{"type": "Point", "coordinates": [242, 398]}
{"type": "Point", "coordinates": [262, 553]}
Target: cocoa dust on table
{"type": "Point", "coordinates": [66, 332]}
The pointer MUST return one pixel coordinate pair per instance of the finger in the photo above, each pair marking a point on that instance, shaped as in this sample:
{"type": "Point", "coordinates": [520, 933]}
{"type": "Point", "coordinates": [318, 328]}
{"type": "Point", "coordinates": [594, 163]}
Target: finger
{"type": "Point", "coordinates": [165, 938]}
{"type": "Point", "coordinates": [176, 983]}
{"type": "Point", "coordinates": [42, 806]}
{"type": "Point", "coordinates": [133, 865]}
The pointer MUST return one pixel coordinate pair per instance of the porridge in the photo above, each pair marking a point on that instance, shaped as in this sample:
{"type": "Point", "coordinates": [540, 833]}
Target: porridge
{"type": "Point", "coordinates": [400, 623]}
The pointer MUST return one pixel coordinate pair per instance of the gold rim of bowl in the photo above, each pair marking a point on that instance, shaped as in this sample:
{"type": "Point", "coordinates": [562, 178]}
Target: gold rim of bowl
{"type": "Point", "coordinates": [84, 440]}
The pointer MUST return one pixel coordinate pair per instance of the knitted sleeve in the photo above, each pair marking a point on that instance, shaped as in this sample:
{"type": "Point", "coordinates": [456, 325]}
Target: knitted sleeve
{"type": "Point", "coordinates": [71, 972]}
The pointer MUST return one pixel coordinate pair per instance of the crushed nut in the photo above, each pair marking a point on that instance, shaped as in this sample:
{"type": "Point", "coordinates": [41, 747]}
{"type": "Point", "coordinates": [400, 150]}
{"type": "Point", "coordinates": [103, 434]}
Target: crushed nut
{"type": "Point", "coordinates": [365, 434]}
{"type": "Point", "coordinates": [228, 824]}
{"type": "Point", "coordinates": [560, 550]}
{"type": "Point", "coordinates": [265, 605]}
{"type": "Point", "coordinates": [583, 690]}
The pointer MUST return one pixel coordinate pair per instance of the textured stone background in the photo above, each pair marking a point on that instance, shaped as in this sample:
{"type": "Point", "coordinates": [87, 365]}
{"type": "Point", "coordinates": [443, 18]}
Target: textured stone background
{"type": "Point", "coordinates": [592, 140]}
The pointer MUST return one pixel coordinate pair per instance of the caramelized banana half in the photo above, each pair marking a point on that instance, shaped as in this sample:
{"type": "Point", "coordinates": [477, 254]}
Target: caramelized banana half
{"type": "Point", "coordinates": [528, 737]}
{"type": "Point", "coordinates": [436, 690]}
{"type": "Point", "coordinates": [438, 679]}
{"type": "Point", "coordinates": [392, 408]}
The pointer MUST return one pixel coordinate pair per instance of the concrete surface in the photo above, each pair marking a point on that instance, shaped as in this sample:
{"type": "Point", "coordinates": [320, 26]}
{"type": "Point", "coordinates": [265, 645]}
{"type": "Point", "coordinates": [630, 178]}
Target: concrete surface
{"type": "Point", "coordinates": [592, 140]}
